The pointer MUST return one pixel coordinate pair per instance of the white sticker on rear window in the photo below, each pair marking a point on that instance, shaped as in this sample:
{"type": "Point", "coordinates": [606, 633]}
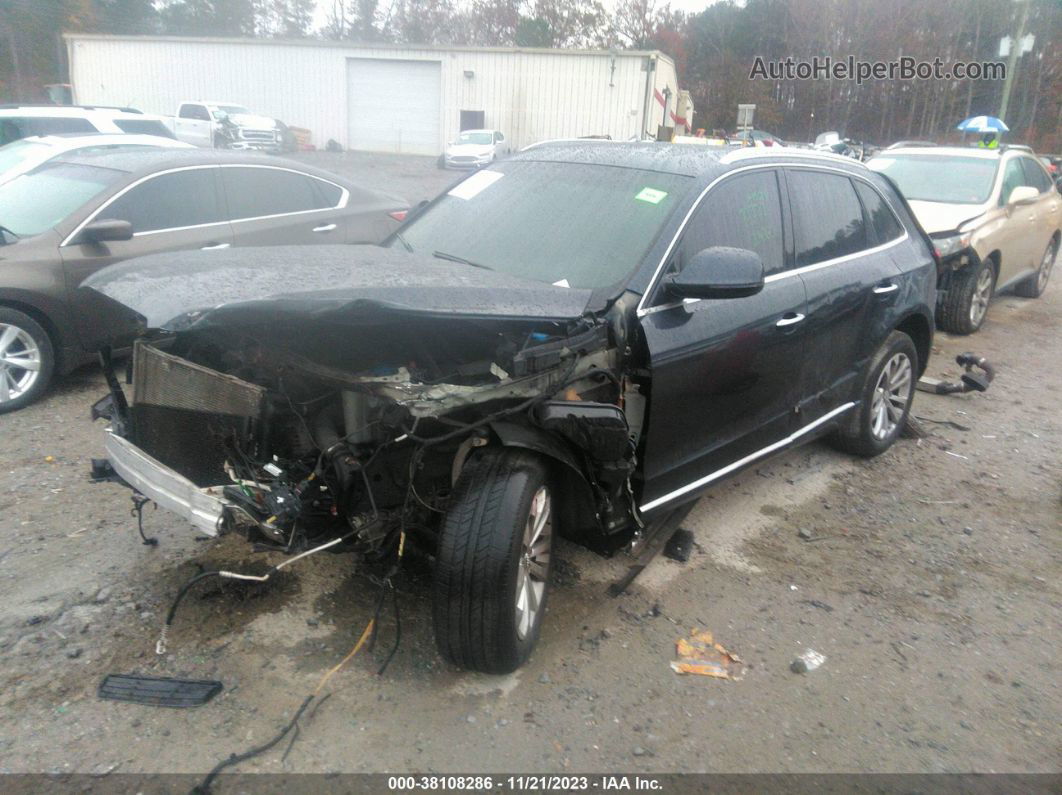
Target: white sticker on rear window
{"type": "Point", "coordinates": [476, 184]}
{"type": "Point", "coordinates": [880, 163]}
{"type": "Point", "coordinates": [651, 195]}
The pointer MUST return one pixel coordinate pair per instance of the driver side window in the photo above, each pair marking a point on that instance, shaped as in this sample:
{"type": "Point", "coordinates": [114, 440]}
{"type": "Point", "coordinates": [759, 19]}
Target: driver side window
{"type": "Point", "coordinates": [744, 211]}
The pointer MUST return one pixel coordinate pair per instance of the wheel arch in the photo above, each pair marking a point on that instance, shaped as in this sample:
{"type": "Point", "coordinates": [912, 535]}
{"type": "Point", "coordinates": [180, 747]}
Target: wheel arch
{"type": "Point", "coordinates": [920, 329]}
{"type": "Point", "coordinates": [44, 319]}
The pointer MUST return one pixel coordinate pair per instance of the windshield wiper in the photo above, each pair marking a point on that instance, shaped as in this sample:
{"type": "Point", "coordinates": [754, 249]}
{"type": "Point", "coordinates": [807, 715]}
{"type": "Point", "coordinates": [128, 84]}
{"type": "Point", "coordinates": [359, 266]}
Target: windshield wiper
{"type": "Point", "coordinates": [462, 260]}
{"type": "Point", "coordinates": [403, 241]}
{"type": "Point", "coordinates": [8, 233]}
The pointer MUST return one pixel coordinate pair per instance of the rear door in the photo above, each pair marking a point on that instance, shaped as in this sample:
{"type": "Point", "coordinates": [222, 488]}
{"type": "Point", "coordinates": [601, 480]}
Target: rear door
{"type": "Point", "coordinates": [276, 206]}
{"type": "Point", "coordinates": [725, 372]}
{"type": "Point", "coordinates": [853, 284]}
{"type": "Point", "coordinates": [179, 209]}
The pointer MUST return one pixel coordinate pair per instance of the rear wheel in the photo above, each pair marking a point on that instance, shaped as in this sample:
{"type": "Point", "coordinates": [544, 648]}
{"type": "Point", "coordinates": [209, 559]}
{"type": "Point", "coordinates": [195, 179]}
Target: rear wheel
{"type": "Point", "coordinates": [965, 304]}
{"type": "Point", "coordinates": [27, 360]}
{"type": "Point", "coordinates": [888, 388]}
{"type": "Point", "coordinates": [1034, 286]}
{"type": "Point", "coordinates": [493, 563]}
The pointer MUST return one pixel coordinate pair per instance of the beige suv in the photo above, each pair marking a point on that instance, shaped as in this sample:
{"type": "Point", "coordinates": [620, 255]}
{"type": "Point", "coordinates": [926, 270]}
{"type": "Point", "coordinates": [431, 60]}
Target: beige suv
{"type": "Point", "coordinates": [995, 218]}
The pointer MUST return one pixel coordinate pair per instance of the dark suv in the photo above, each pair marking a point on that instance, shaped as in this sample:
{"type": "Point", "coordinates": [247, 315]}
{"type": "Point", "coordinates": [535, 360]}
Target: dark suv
{"type": "Point", "coordinates": [580, 340]}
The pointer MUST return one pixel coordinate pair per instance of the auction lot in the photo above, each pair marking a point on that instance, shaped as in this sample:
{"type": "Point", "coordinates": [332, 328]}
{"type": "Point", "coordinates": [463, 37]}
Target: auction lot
{"type": "Point", "coordinates": [930, 582]}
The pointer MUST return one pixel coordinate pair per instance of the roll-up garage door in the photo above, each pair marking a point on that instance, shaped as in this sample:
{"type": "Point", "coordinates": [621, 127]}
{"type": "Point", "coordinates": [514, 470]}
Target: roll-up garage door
{"type": "Point", "coordinates": [393, 105]}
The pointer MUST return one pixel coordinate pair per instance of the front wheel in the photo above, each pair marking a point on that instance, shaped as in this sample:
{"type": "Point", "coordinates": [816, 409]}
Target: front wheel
{"type": "Point", "coordinates": [27, 360]}
{"type": "Point", "coordinates": [965, 304]}
{"type": "Point", "coordinates": [493, 563]}
{"type": "Point", "coordinates": [1034, 286]}
{"type": "Point", "coordinates": [885, 399]}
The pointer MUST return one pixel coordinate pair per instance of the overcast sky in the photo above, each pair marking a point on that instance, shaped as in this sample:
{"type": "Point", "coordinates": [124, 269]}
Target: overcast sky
{"type": "Point", "coordinates": [689, 6]}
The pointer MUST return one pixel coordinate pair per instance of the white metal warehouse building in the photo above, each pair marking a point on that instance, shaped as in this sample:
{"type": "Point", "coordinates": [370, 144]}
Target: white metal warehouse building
{"type": "Point", "coordinates": [386, 98]}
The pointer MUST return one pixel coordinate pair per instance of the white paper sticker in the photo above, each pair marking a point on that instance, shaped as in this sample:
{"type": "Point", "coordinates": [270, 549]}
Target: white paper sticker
{"type": "Point", "coordinates": [880, 163]}
{"type": "Point", "coordinates": [562, 283]}
{"type": "Point", "coordinates": [476, 184]}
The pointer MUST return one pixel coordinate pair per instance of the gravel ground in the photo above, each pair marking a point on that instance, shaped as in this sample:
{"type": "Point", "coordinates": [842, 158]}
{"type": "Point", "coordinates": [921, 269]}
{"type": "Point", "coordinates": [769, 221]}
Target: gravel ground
{"type": "Point", "coordinates": [930, 581]}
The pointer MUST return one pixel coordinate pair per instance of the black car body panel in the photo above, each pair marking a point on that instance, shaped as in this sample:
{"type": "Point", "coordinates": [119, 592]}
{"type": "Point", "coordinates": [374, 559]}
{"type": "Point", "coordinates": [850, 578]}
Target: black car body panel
{"type": "Point", "coordinates": [407, 363]}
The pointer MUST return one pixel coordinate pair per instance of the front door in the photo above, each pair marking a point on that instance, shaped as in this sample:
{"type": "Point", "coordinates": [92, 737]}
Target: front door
{"type": "Point", "coordinates": [725, 372]}
{"type": "Point", "coordinates": [169, 212]}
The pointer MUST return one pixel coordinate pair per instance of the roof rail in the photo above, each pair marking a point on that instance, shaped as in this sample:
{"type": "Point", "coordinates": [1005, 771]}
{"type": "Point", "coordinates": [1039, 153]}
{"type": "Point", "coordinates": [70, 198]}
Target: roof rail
{"type": "Point", "coordinates": [17, 105]}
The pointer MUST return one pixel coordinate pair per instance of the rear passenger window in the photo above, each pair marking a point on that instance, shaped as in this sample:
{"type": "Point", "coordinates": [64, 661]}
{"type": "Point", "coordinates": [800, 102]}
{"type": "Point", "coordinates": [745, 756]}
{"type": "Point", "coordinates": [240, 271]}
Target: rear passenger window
{"type": "Point", "coordinates": [1035, 175]}
{"type": "Point", "coordinates": [742, 212]}
{"type": "Point", "coordinates": [882, 219]}
{"type": "Point", "coordinates": [197, 112]}
{"type": "Point", "coordinates": [169, 201]}
{"type": "Point", "coordinates": [144, 127]}
{"type": "Point", "coordinates": [256, 192]}
{"type": "Point", "coordinates": [827, 217]}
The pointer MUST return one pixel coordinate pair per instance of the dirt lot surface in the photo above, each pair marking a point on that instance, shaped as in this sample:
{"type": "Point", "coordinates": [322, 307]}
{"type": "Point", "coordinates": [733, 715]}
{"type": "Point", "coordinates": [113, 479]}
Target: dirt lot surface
{"type": "Point", "coordinates": [930, 581]}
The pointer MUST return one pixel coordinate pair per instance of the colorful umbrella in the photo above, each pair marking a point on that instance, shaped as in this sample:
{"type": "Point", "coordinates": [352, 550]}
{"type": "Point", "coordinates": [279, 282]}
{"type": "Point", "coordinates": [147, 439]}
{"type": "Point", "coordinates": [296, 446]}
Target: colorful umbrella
{"type": "Point", "coordinates": [983, 124]}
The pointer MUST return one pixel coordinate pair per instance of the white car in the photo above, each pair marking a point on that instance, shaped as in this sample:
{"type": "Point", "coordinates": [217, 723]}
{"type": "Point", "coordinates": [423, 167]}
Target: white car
{"type": "Point", "coordinates": [225, 125]}
{"type": "Point", "coordinates": [472, 149]}
{"type": "Point", "coordinates": [26, 154]}
{"type": "Point", "coordinates": [23, 121]}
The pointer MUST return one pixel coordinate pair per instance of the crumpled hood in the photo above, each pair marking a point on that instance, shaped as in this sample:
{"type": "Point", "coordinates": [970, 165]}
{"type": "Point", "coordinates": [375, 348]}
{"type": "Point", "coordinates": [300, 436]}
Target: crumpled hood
{"type": "Point", "coordinates": [344, 284]}
{"type": "Point", "coordinates": [936, 217]}
{"type": "Point", "coordinates": [253, 122]}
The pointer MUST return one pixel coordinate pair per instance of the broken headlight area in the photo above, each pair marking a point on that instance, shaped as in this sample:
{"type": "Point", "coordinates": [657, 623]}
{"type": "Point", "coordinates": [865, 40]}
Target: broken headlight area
{"type": "Point", "coordinates": [322, 432]}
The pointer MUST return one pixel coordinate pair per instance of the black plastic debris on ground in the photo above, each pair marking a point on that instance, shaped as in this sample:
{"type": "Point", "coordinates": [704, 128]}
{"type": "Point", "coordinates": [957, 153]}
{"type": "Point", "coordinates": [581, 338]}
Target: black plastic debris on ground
{"type": "Point", "coordinates": [679, 546]}
{"type": "Point", "coordinates": [157, 691]}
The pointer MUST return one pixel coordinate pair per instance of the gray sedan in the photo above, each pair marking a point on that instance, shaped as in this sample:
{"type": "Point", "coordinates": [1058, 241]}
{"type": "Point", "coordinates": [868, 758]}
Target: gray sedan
{"type": "Point", "coordinates": [76, 214]}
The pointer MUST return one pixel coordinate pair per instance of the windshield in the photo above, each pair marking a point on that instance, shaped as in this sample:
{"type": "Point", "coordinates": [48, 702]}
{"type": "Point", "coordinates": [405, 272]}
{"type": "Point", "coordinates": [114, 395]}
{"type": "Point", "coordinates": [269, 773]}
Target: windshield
{"type": "Point", "coordinates": [230, 110]}
{"type": "Point", "coordinates": [19, 152]}
{"type": "Point", "coordinates": [475, 138]}
{"type": "Point", "coordinates": [576, 225]}
{"type": "Point", "coordinates": [37, 201]}
{"type": "Point", "coordinates": [940, 178]}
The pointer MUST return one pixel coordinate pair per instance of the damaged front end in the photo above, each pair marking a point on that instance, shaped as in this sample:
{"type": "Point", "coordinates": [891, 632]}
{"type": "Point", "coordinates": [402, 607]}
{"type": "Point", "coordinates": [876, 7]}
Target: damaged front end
{"type": "Point", "coordinates": [318, 428]}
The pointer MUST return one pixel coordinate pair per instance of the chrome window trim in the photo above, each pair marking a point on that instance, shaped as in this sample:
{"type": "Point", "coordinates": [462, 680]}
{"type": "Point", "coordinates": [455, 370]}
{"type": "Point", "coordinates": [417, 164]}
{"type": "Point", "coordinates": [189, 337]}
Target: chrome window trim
{"type": "Point", "coordinates": [642, 310]}
{"type": "Point", "coordinates": [671, 495]}
{"type": "Point", "coordinates": [343, 199]}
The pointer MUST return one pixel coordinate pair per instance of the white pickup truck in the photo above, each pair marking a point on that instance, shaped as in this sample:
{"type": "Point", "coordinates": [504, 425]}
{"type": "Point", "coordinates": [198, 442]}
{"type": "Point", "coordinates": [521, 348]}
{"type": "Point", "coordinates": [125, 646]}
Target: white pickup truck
{"type": "Point", "coordinates": [225, 125]}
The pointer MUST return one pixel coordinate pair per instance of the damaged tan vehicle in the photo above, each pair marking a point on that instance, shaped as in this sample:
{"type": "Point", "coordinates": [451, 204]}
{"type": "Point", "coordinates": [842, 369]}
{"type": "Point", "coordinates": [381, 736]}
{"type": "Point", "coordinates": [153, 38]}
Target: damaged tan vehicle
{"type": "Point", "coordinates": [579, 340]}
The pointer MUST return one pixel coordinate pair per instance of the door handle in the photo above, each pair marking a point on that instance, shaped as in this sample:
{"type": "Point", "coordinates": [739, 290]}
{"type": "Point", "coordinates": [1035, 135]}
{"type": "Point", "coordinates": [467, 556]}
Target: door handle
{"type": "Point", "coordinates": [325, 228]}
{"type": "Point", "coordinates": [215, 246]}
{"type": "Point", "coordinates": [789, 318]}
{"type": "Point", "coordinates": [884, 289]}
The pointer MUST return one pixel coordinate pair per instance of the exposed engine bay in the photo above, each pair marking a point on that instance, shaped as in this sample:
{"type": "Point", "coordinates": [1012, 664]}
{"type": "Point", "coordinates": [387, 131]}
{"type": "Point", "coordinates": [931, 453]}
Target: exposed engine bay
{"type": "Point", "coordinates": [322, 431]}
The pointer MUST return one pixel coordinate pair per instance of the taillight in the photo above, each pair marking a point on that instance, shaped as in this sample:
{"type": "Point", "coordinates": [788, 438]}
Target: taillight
{"type": "Point", "coordinates": [399, 215]}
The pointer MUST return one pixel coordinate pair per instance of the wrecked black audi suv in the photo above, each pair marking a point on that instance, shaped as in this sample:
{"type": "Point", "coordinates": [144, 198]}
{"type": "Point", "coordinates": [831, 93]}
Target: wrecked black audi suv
{"type": "Point", "coordinates": [578, 341]}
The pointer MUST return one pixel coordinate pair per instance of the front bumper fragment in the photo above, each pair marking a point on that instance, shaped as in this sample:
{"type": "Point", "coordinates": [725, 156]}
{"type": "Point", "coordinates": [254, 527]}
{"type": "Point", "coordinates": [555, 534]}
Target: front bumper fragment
{"type": "Point", "coordinates": [156, 481]}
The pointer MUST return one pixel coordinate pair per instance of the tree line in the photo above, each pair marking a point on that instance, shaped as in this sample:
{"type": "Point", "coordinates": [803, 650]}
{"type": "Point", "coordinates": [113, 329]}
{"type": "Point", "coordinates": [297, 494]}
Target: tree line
{"type": "Point", "coordinates": [714, 49]}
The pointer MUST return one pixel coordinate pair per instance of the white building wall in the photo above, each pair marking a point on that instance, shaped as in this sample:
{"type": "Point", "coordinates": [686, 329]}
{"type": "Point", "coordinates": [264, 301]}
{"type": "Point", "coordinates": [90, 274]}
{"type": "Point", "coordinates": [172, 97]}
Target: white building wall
{"type": "Point", "coordinates": [530, 95]}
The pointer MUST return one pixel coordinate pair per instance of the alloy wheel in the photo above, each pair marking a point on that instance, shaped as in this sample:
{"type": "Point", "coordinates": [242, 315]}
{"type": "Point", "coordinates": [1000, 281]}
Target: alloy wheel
{"type": "Point", "coordinates": [891, 395]}
{"type": "Point", "coordinates": [533, 568]}
{"type": "Point", "coordinates": [1045, 267]}
{"type": "Point", "coordinates": [981, 296]}
{"type": "Point", "coordinates": [20, 362]}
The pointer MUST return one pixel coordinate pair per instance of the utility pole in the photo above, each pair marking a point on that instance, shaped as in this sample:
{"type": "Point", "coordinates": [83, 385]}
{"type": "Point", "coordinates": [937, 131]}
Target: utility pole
{"type": "Point", "coordinates": [1012, 61]}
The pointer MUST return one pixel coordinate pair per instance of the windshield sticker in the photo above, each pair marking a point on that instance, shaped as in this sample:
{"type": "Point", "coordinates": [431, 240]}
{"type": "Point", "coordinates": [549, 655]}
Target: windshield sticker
{"type": "Point", "coordinates": [562, 283]}
{"type": "Point", "coordinates": [476, 184]}
{"type": "Point", "coordinates": [651, 195]}
{"type": "Point", "coordinates": [880, 163]}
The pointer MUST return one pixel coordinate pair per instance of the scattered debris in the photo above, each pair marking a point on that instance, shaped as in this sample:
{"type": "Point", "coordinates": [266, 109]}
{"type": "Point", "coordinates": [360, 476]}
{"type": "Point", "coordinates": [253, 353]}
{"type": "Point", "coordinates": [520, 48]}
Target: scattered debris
{"type": "Point", "coordinates": [679, 546]}
{"type": "Point", "coordinates": [808, 661]}
{"type": "Point", "coordinates": [700, 654]}
{"type": "Point", "coordinates": [957, 455]}
{"type": "Point", "coordinates": [158, 691]}
{"type": "Point", "coordinates": [818, 604]}
{"type": "Point", "coordinates": [804, 533]}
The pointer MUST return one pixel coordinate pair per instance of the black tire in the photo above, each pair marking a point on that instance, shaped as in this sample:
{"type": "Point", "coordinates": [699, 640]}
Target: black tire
{"type": "Point", "coordinates": [1034, 286]}
{"type": "Point", "coordinates": [480, 562]}
{"type": "Point", "coordinates": [11, 377]}
{"type": "Point", "coordinates": [858, 433]}
{"type": "Point", "coordinates": [956, 315]}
